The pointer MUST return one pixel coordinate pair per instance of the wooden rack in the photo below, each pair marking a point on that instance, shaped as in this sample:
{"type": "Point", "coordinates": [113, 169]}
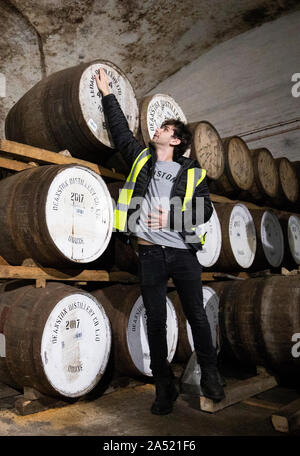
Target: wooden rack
{"type": "Point", "coordinates": [15, 156]}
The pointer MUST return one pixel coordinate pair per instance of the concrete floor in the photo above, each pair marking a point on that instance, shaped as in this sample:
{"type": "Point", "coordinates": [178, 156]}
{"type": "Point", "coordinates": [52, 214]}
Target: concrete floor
{"type": "Point", "coordinates": [125, 412]}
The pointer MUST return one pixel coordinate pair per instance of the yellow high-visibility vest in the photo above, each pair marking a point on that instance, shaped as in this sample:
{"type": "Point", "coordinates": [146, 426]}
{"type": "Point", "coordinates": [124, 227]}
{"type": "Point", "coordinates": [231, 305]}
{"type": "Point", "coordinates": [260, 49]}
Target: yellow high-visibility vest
{"type": "Point", "coordinates": [194, 177]}
{"type": "Point", "coordinates": [120, 213]}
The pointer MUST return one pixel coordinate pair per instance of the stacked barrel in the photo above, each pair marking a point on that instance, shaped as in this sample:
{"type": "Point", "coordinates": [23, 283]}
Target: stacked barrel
{"type": "Point", "coordinates": [259, 322]}
{"type": "Point", "coordinates": [59, 339]}
{"type": "Point", "coordinates": [55, 339]}
{"type": "Point", "coordinates": [260, 230]}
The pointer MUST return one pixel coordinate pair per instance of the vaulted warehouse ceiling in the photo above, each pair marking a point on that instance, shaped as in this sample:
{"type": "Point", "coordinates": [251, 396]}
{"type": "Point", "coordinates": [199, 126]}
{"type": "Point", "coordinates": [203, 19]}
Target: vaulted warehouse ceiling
{"type": "Point", "coordinates": [149, 40]}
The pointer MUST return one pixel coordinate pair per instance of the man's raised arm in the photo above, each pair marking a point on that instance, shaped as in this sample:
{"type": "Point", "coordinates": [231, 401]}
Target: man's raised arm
{"type": "Point", "coordinates": [122, 136]}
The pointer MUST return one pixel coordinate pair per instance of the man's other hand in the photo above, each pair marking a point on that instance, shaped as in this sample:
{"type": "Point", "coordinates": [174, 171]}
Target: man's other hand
{"type": "Point", "coordinates": [102, 82]}
{"type": "Point", "coordinates": [158, 220]}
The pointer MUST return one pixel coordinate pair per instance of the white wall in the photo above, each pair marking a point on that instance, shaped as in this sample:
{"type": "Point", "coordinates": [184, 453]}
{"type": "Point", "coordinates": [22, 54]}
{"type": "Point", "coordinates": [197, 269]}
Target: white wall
{"type": "Point", "coordinates": [243, 86]}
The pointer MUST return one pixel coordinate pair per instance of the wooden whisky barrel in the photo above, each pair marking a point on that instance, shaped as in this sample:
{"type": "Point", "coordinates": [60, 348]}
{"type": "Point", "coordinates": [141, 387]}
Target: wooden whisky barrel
{"type": "Point", "coordinates": [270, 241]}
{"type": "Point", "coordinates": [259, 319]}
{"type": "Point", "coordinates": [64, 111]}
{"type": "Point", "coordinates": [238, 237]}
{"type": "Point", "coordinates": [210, 252]}
{"type": "Point", "coordinates": [288, 184]}
{"type": "Point", "coordinates": [266, 178]}
{"type": "Point", "coordinates": [296, 167]}
{"type": "Point", "coordinates": [225, 314]}
{"type": "Point", "coordinates": [116, 162]}
{"type": "Point", "coordinates": [54, 214]}
{"type": "Point", "coordinates": [238, 175]}
{"type": "Point", "coordinates": [290, 224]}
{"type": "Point", "coordinates": [125, 255]}
{"type": "Point", "coordinates": [185, 345]}
{"type": "Point", "coordinates": [125, 309]}
{"type": "Point", "coordinates": [55, 339]}
{"type": "Point", "coordinates": [9, 285]}
{"type": "Point", "coordinates": [155, 109]}
{"type": "Point", "coordinates": [207, 148]}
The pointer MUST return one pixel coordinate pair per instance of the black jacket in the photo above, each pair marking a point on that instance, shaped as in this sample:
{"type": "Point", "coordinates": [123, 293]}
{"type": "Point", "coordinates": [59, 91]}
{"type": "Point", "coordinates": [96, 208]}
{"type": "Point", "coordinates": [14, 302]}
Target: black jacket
{"type": "Point", "coordinates": [129, 147]}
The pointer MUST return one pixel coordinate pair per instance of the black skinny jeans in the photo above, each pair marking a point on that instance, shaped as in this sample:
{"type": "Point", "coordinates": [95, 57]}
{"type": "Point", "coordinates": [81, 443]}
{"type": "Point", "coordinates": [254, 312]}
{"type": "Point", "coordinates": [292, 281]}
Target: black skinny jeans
{"type": "Point", "coordinates": [156, 265]}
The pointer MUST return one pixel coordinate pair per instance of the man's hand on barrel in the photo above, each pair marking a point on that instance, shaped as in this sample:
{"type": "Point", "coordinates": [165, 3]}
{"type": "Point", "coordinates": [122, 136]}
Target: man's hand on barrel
{"type": "Point", "coordinates": [102, 81]}
{"type": "Point", "coordinates": [158, 219]}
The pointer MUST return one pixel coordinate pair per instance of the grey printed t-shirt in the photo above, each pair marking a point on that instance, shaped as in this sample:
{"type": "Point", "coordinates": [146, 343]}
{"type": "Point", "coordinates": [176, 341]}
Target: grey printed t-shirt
{"type": "Point", "coordinates": [158, 194]}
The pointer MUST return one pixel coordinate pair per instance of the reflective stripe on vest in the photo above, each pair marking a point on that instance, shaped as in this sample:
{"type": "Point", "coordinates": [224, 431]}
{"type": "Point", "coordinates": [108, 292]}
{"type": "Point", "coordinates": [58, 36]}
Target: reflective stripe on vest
{"type": "Point", "coordinates": [120, 213]}
{"type": "Point", "coordinates": [194, 177]}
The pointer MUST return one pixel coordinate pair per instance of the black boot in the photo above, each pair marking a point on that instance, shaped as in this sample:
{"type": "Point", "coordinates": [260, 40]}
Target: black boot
{"type": "Point", "coordinates": [166, 394]}
{"type": "Point", "coordinates": [211, 384]}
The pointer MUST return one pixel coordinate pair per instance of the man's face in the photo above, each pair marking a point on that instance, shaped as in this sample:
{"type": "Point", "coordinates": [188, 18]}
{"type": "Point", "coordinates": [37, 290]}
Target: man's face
{"type": "Point", "coordinates": [164, 136]}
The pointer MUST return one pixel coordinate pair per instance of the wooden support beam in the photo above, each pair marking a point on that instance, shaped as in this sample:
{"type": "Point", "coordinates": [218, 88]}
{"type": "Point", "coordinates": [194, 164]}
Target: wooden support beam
{"type": "Point", "coordinates": [240, 391]}
{"type": "Point", "coordinates": [40, 274]}
{"type": "Point", "coordinates": [40, 283]}
{"type": "Point", "coordinates": [3, 261]}
{"type": "Point", "coordinates": [24, 406]}
{"type": "Point", "coordinates": [254, 402]}
{"type": "Point", "coordinates": [14, 165]}
{"type": "Point", "coordinates": [30, 153]}
{"type": "Point", "coordinates": [287, 419]}
{"type": "Point", "coordinates": [223, 199]}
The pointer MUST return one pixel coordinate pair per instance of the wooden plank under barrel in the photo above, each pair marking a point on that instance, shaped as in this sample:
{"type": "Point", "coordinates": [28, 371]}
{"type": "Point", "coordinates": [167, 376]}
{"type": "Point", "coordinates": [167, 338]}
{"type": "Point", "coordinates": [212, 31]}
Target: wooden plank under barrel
{"type": "Point", "coordinates": [64, 111]}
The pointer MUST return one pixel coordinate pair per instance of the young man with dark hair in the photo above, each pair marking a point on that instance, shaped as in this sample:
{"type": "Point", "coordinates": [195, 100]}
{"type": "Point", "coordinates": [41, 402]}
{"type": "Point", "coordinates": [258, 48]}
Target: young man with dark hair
{"type": "Point", "coordinates": [167, 239]}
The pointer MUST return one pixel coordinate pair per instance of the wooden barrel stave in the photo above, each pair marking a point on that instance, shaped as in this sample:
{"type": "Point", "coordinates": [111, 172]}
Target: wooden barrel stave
{"type": "Point", "coordinates": [118, 311]}
{"type": "Point", "coordinates": [266, 178]}
{"type": "Point", "coordinates": [291, 258]}
{"type": "Point", "coordinates": [227, 261]}
{"type": "Point", "coordinates": [207, 148]}
{"type": "Point", "coordinates": [270, 241]}
{"type": "Point", "coordinates": [185, 345]}
{"type": "Point", "coordinates": [183, 350]}
{"type": "Point", "coordinates": [120, 302]}
{"type": "Point", "coordinates": [258, 318]}
{"type": "Point", "coordinates": [288, 193]}
{"type": "Point", "coordinates": [125, 255]}
{"type": "Point", "coordinates": [238, 173]}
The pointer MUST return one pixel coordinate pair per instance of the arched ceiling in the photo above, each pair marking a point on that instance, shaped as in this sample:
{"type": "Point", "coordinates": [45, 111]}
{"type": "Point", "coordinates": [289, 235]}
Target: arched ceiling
{"type": "Point", "coordinates": [149, 40]}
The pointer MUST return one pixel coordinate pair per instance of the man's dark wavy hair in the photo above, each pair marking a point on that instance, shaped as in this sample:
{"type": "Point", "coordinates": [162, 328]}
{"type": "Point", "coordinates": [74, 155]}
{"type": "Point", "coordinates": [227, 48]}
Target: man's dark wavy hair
{"type": "Point", "coordinates": [182, 132]}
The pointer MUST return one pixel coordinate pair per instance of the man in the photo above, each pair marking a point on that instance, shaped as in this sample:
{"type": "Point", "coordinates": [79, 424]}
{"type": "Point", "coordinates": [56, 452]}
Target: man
{"type": "Point", "coordinates": [161, 173]}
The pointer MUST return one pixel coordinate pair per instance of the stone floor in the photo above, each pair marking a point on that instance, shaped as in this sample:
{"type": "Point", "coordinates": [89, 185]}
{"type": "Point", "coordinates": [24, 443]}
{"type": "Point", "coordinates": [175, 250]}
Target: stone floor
{"type": "Point", "coordinates": [125, 412]}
